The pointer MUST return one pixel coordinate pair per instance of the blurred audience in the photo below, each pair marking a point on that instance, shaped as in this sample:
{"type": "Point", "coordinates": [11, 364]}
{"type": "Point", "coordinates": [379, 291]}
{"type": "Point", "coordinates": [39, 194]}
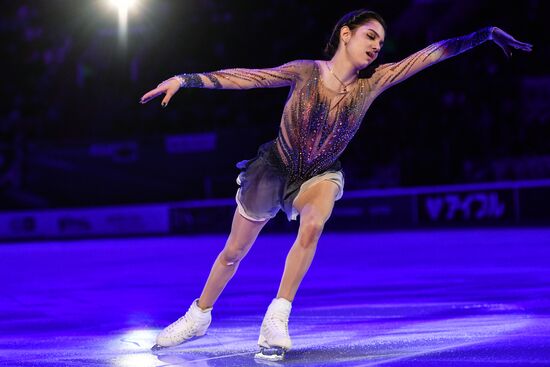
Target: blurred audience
{"type": "Point", "coordinates": [68, 84]}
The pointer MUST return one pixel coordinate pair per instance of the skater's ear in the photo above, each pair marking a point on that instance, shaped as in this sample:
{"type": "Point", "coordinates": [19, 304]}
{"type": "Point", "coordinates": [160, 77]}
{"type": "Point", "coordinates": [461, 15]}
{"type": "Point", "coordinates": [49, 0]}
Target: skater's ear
{"type": "Point", "coordinates": [345, 34]}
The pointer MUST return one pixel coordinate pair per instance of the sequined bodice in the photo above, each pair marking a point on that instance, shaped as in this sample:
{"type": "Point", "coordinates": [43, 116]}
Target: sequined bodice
{"type": "Point", "coordinates": [318, 123]}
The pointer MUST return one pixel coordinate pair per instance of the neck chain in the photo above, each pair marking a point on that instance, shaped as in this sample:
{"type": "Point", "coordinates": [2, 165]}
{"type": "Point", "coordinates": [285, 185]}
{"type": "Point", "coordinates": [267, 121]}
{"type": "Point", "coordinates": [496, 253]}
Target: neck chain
{"type": "Point", "coordinates": [344, 86]}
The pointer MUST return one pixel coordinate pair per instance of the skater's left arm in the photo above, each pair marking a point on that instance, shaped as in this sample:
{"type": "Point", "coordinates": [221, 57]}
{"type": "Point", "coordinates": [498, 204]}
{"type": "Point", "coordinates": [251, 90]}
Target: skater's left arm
{"type": "Point", "coordinates": [388, 75]}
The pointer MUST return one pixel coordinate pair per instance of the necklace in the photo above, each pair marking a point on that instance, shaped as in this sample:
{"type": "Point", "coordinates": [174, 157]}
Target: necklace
{"type": "Point", "coordinates": [344, 86]}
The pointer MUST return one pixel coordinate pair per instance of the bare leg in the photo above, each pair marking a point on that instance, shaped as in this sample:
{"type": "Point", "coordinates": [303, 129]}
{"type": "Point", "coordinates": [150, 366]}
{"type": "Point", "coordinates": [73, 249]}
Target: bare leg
{"type": "Point", "coordinates": [315, 206]}
{"type": "Point", "coordinates": [243, 234]}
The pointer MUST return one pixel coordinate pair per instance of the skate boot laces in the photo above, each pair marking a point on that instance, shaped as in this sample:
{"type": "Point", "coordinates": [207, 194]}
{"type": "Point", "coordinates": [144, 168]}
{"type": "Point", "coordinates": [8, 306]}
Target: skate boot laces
{"type": "Point", "coordinates": [188, 325]}
{"type": "Point", "coordinates": [277, 322]}
{"type": "Point", "coordinates": [185, 325]}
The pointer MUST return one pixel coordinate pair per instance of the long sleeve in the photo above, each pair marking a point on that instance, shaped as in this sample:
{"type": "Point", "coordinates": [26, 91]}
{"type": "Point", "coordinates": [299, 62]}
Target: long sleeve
{"type": "Point", "coordinates": [239, 78]}
{"type": "Point", "coordinates": [388, 75]}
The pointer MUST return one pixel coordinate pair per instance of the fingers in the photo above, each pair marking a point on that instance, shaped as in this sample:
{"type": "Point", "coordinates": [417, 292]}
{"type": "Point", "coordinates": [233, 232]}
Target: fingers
{"type": "Point", "coordinates": [506, 42]}
{"type": "Point", "coordinates": [168, 87]}
{"type": "Point", "coordinates": [150, 95]}
{"type": "Point", "coordinates": [519, 46]}
{"type": "Point", "coordinates": [157, 92]}
{"type": "Point", "coordinates": [166, 99]}
{"type": "Point", "coordinates": [523, 46]}
{"type": "Point", "coordinates": [508, 47]}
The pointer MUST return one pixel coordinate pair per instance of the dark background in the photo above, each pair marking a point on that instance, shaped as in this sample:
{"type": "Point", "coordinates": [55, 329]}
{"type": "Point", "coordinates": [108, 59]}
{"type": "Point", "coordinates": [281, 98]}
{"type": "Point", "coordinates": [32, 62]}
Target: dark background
{"type": "Point", "coordinates": [72, 132]}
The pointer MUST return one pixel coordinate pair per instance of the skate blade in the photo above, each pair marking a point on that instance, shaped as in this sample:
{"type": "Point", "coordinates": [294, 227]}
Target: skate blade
{"type": "Point", "coordinates": [157, 347]}
{"type": "Point", "coordinates": [271, 354]}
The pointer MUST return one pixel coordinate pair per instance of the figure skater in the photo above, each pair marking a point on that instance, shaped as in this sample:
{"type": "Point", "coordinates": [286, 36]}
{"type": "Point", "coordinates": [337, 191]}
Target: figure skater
{"type": "Point", "coordinates": [299, 171]}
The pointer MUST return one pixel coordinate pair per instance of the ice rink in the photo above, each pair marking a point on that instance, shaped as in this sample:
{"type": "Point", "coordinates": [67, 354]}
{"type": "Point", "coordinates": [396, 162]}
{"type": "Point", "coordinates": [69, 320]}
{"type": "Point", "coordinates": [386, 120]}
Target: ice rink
{"type": "Point", "coordinates": [462, 297]}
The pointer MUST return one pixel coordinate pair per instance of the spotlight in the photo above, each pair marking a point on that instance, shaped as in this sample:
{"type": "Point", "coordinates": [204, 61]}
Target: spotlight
{"type": "Point", "coordinates": [123, 5]}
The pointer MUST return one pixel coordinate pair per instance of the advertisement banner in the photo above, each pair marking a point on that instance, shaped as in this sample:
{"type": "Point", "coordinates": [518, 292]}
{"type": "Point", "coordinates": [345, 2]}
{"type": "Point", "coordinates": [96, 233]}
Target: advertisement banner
{"type": "Point", "coordinates": [85, 222]}
{"type": "Point", "coordinates": [472, 207]}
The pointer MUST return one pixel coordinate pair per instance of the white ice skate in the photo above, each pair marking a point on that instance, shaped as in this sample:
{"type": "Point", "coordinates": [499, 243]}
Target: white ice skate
{"type": "Point", "coordinates": [193, 324]}
{"type": "Point", "coordinates": [274, 340]}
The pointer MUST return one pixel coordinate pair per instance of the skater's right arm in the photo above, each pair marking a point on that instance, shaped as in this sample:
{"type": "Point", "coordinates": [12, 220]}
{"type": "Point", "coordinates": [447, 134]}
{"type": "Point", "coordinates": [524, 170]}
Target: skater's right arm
{"type": "Point", "coordinates": [239, 78]}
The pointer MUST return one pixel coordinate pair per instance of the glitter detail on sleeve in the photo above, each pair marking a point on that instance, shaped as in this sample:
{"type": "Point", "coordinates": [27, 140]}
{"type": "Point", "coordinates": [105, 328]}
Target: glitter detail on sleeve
{"type": "Point", "coordinates": [239, 78]}
{"type": "Point", "coordinates": [192, 80]}
{"type": "Point", "coordinates": [390, 74]}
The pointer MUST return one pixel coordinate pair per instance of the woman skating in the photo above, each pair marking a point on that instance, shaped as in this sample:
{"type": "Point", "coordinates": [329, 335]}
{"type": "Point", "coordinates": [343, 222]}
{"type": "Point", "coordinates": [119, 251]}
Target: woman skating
{"type": "Point", "coordinates": [299, 171]}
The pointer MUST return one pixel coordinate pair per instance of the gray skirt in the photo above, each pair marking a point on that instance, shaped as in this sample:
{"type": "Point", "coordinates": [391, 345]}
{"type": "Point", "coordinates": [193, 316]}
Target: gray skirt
{"type": "Point", "coordinates": [265, 187]}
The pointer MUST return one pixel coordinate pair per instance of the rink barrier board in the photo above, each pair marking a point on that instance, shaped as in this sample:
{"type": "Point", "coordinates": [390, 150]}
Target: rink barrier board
{"type": "Point", "coordinates": [85, 222]}
{"type": "Point", "coordinates": [488, 204]}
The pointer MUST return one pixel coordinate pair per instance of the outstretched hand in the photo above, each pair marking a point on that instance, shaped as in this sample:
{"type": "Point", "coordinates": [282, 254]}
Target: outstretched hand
{"type": "Point", "coordinates": [506, 42]}
{"type": "Point", "coordinates": [168, 87]}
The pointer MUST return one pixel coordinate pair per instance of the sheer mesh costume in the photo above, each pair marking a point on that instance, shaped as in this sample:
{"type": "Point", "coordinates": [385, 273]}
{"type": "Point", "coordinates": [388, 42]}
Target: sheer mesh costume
{"type": "Point", "coordinates": [317, 123]}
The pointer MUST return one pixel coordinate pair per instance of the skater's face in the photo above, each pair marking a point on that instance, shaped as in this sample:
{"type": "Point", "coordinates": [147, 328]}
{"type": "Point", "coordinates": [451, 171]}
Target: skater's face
{"type": "Point", "coordinates": [363, 44]}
